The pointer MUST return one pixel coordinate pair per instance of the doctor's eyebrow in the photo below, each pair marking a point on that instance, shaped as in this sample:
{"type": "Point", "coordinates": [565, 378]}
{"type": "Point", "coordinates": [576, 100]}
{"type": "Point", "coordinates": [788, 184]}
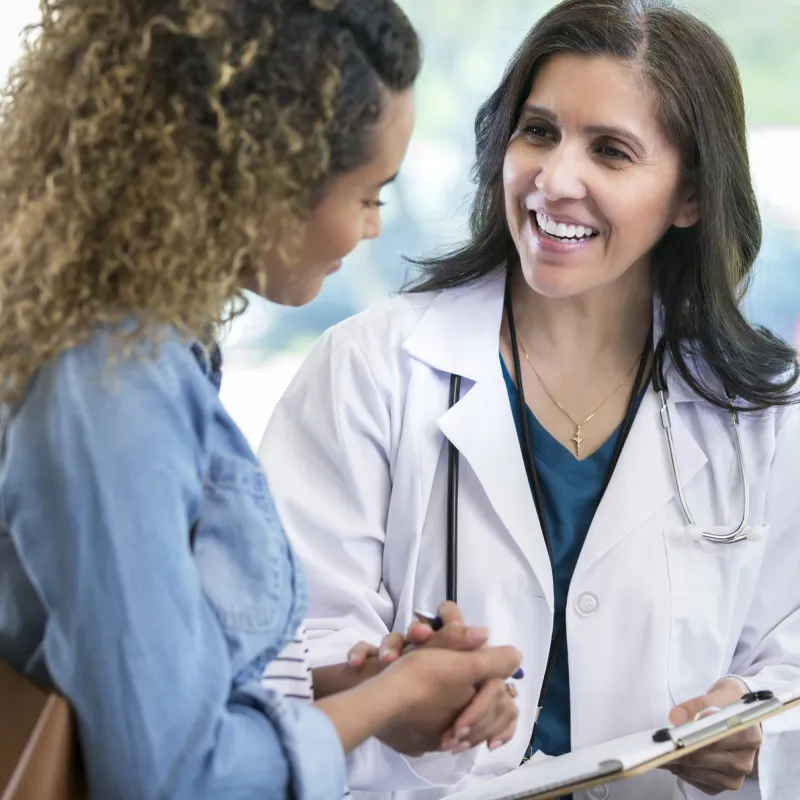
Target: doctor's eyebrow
{"type": "Point", "coordinates": [611, 131]}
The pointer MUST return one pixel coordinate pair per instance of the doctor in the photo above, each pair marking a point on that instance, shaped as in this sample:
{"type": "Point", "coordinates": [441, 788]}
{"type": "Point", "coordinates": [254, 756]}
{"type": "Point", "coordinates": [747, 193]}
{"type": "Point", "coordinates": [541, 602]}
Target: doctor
{"type": "Point", "coordinates": [613, 233]}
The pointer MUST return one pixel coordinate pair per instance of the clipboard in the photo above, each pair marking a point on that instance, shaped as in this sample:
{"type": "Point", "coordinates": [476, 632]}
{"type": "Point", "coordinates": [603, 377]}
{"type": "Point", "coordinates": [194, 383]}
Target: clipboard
{"type": "Point", "coordinates": [629, 756]}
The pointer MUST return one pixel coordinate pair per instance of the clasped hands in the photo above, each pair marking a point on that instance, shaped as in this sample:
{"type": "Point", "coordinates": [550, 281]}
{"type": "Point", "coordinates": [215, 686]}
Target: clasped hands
{"type": "Point", "coordinates": [490, 715]}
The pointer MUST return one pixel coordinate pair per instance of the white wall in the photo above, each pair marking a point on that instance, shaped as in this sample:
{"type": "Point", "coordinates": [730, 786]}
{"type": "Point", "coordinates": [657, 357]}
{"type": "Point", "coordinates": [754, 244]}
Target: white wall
{"type": "Point", "coordinates": [14, 16]}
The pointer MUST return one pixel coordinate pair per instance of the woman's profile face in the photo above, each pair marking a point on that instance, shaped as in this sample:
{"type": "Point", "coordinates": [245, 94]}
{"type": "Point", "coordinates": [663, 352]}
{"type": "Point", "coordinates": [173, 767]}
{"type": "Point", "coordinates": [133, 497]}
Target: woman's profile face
{"type": "Point", "coordinates": [350, 211]}
{"type": "Point", "coordinates": [591, 182]}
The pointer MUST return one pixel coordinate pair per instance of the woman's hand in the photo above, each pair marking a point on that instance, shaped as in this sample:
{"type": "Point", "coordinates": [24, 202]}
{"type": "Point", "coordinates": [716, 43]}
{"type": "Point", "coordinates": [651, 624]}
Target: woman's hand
{"type": "Point", "coordinates": [492, 715]}
{"type": "Point", "coordinates": [436, 684]}
{"type": "Point", "coordinates": [723, 766]}
{"type": "Point", "coordinates": [453, 635]}
{"type": "Point", "coordinates": [365, 660]}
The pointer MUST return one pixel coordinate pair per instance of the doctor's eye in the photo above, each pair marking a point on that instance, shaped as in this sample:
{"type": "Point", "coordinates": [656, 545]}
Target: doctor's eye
{"type": "Point", "coordinates": [613, 153]}
{"type": "Point", "coordinates": [532, 130]}
{"type": "Point", "coordinates": [374, 203]}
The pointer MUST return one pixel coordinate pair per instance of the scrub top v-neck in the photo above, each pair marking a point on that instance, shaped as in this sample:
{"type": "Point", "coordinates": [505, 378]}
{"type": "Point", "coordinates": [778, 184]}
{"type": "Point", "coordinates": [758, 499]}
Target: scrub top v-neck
{"type": "Point", "coordinates": [571, 492]}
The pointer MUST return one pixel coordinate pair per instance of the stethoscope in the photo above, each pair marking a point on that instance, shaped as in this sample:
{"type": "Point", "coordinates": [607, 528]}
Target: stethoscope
{"type": "Point", "coordinates": [659, 384]}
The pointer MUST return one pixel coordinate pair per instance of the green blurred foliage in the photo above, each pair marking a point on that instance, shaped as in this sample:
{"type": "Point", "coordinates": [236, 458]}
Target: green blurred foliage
{"type": "Point", "coordinates": [469, 42]}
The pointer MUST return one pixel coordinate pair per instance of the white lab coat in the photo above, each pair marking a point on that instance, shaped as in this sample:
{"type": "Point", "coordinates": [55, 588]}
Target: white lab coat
{"type": "Point", "coordinates": [356, 460]}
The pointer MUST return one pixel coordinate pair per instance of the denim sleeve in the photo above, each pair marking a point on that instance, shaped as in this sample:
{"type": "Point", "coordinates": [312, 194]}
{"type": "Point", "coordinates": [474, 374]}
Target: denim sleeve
{"type": "Point", "coordinates": [99, 486]}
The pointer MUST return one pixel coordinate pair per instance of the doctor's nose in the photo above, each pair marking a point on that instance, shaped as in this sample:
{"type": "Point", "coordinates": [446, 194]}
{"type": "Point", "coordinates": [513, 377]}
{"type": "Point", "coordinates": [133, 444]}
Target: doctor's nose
{"type": "Point", "coordinates": [560, 177]}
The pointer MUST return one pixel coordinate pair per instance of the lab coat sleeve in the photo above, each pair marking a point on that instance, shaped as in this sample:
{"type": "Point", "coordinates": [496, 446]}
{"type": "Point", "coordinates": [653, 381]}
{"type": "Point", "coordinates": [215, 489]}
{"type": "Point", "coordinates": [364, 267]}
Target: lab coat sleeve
{"type": "Point", "coordinates": [768, 653]}
{"type": "Point", "coordinates": [327, 452]}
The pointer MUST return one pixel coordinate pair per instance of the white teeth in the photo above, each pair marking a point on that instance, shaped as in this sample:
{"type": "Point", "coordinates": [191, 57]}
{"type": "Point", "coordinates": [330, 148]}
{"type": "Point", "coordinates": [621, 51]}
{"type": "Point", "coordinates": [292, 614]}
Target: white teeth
{"type": "Point", "coordinates": [561, 229]}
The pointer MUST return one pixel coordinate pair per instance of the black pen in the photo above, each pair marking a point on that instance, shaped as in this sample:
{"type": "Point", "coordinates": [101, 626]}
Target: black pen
{"type": "Point", "coordinates": [435, 622]}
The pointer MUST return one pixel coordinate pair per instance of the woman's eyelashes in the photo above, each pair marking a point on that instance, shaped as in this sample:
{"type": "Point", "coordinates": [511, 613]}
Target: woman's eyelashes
{"type": "Point", "coordinates": [612, 151]}
{"type": "Point", "coordinates": [535, 131]}
{"type": "Point", "coordinates": [539, 133]}
{"type": "Point", "coordinates": [374, 203]}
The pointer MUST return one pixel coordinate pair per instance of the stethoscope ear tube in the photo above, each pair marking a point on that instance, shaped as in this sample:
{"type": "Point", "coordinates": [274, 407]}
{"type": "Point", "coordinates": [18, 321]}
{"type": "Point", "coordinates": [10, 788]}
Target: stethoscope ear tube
{"type": "Point", "coordinates": [452, 502]}
{"type": "Point", "coordinates": [737, 534]}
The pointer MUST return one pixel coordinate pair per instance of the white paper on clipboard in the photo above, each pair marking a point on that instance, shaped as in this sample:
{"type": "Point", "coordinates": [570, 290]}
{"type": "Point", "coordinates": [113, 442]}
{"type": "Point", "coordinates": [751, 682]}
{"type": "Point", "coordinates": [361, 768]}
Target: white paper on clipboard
{"type": "Point", "coordinates": [602, 762]}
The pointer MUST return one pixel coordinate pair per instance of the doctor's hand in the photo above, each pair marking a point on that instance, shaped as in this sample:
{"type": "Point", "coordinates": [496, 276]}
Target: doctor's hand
{"type": "Point", "coordinates": [435, 686]}
{"type": "Point", "coordinates": [453, 635]}
{"type": "Point", "coordinates": [722, 766]}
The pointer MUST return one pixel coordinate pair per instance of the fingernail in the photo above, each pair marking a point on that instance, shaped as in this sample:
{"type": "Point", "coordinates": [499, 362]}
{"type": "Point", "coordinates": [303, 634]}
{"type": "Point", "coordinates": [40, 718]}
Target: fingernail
{"type": "Point", "coordinates": [352, 658]}
{"type": "Point", "coordinates": [518, 675]}
{"type": "Point", "coordinates": [462, 748]}
{"type": "Point", "coordinates": [462, 733]}
{"type": "Point", "coordinates": [476, 635]}
{"type": "Point", "coordinates": [493, 745]}
{"type": "Point", "coordinates": [679, 716]}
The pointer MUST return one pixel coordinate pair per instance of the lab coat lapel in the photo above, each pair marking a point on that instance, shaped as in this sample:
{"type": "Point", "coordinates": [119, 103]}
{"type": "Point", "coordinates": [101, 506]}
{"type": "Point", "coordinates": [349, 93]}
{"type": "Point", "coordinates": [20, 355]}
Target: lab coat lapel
{"type": "Point", "coordinates": [643, 481]}
{"type": "Point", "coordinates": [482, 427]}
{"type": "Point", "coordinates": [459, 334]}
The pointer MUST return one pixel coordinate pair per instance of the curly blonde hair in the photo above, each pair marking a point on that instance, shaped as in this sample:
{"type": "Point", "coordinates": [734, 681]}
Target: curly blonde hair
{"type": "Point", "coordinates": [152, 150]}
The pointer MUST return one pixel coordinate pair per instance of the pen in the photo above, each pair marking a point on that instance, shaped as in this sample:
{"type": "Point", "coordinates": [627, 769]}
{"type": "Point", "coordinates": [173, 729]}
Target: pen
{"type": "Point", "coordinates": [435, 622]}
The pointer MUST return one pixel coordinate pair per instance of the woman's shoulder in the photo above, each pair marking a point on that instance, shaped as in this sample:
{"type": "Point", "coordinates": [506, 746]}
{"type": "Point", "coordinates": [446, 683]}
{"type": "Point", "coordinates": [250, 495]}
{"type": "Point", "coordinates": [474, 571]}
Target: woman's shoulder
{"type": "Point", "coordinates": [113, 358]}
{"type": "Point", "coordinates": [106, 378]}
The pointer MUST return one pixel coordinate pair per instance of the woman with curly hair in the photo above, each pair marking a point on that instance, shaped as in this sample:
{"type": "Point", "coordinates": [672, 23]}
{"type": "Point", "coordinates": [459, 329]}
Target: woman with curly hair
{"type": "Point", "coordinates": [158, 156]}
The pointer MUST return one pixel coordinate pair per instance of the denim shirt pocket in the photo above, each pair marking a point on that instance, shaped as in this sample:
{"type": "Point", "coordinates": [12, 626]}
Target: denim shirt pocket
{"type": "Point", "coordinates": [247, 567]}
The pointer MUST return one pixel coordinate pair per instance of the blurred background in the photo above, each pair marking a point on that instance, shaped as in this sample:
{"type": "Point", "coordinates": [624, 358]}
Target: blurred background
{"type": "Point", "coordinates": [467, 45]}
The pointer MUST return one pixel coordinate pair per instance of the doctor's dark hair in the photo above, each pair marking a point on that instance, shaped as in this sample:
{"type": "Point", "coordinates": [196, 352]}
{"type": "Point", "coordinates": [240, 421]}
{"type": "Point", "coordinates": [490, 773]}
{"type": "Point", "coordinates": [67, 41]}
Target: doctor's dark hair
{"type": "Point", "coordinates": [153, 150]}
{"type": "Point", "coordinates": [701, 273]}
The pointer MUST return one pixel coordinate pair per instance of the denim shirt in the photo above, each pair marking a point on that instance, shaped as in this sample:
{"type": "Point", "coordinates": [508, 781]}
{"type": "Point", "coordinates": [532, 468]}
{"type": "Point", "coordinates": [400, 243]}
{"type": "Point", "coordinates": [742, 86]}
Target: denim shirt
{"type": "Point", "coordinates": [158, 646]}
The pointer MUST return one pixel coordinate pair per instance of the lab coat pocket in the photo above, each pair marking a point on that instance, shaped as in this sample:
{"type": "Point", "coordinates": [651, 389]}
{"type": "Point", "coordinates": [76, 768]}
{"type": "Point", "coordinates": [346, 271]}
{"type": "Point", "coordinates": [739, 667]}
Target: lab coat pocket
{"type": "Point", "coordinates": [711, 587]}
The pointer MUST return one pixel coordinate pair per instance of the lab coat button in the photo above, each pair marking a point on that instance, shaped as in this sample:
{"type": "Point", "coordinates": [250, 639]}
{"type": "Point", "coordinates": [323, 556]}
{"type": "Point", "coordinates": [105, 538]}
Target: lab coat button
{"type": "Point", "coordinates": [587, 604]}
{"type": "Point", "coordinates": [601, 792]}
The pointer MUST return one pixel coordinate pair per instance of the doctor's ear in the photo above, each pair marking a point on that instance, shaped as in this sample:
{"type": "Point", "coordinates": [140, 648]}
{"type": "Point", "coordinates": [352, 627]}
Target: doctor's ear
{"type": "Point", "coordinates": [688, 209]}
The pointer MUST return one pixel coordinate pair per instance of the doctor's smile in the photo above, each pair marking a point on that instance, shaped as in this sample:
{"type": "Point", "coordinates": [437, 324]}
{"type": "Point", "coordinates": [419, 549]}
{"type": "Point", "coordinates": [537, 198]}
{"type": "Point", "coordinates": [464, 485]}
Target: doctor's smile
{"type": "Point", "coordinates": [563, 230]}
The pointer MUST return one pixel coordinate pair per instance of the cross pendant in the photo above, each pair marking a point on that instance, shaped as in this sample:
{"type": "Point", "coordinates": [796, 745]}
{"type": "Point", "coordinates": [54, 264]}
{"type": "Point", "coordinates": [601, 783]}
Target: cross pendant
{"type": "Point", "coordinates": [578, 439]}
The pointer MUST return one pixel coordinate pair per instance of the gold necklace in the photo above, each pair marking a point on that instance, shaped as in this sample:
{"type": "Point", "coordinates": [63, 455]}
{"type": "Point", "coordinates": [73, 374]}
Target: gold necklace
{"type": "Point", "coordinates": [577, 438]}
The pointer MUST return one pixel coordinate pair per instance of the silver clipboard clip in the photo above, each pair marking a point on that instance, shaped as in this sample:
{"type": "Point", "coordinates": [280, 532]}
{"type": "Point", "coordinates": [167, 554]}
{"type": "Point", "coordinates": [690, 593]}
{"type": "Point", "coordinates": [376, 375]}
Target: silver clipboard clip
{"type": "Point", "coordinates": [687, 735]}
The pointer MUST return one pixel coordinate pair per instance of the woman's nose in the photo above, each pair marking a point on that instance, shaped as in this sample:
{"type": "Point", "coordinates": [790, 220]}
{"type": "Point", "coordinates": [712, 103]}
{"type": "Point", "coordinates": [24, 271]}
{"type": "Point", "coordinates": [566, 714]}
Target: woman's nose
{"type": "Point", "coordinates": [561, 175]}
{"type": "Point", "coordinates": [373, 225]}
